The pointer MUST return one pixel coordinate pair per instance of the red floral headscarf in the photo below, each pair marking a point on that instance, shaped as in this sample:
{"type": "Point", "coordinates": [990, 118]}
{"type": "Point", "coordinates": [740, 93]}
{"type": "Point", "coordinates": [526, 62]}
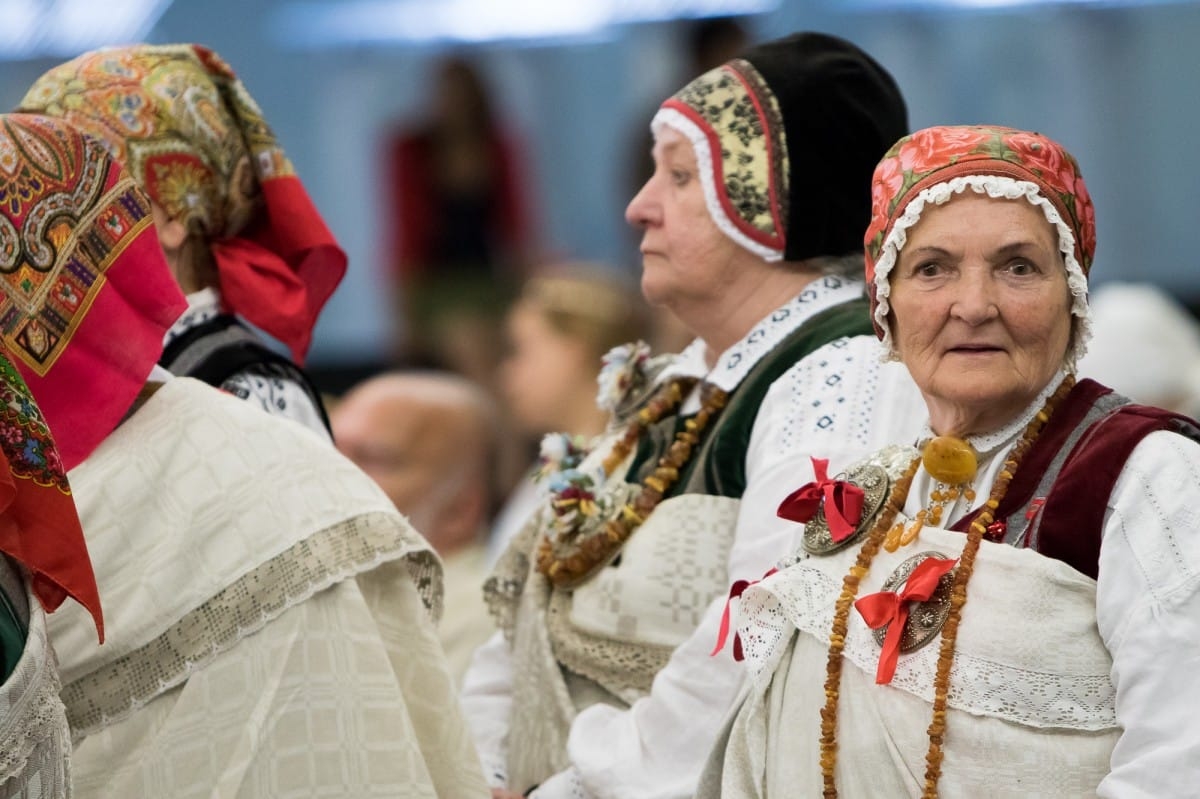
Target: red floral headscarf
{"type": "Point", "coordinates": [198, 145]}
{"type": "Point", "coordinates": [39, 525]}
{"type": "Point", "coordinates": [85, 292]}
{"type": "Point", "coordinates": [935, 164]}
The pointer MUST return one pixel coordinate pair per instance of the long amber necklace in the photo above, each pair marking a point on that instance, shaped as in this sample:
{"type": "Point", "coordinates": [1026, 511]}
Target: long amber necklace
{"type": "Point", "coordinates": [592, 550]}
{"type": "Point", "coordinates": [958, 597]}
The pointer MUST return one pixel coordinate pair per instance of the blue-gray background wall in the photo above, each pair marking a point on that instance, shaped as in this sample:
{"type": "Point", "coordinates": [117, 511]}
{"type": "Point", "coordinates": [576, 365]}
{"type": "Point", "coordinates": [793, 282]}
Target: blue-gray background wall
{"type": "Point", "coordinates": [1118, 84]}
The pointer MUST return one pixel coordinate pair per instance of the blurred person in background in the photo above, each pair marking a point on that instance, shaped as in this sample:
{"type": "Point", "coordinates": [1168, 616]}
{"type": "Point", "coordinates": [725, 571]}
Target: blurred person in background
{"type": "Point", "coordinates": [460, 220]}
{"type": "Point", "coordinates": [1146, 345]}
{"type": "Point", "coordinates": [43, 561]}
{"type": "Point", "coordinates": [269, 614]}
{"type": "Point", "coordinates": [430, 441]}
{"type": "Point", "coordinates": [241, 235]}
{"type": "Point", "coordinates": [559, 328]}
{"type": "Point", "coordinates": [600, 682]}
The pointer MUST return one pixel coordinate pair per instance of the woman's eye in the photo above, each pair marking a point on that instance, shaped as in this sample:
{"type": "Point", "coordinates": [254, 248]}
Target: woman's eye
{"type": "Point", "coordinates": [1021, 268]}
{"type": "Point", "coordinates": [927, 270]}
{"type": "Point", "coordinates": [680, 177]}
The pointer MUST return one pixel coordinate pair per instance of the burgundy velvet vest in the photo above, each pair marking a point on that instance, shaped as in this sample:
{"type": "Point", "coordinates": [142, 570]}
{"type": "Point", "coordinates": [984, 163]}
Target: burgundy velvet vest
{"type": "Point", "coordinates": [1059, 495]}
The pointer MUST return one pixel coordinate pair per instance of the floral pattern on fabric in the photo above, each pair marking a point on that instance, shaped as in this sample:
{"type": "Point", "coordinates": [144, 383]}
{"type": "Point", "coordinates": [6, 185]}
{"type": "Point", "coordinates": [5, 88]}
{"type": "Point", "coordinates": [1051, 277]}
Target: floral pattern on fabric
{"type": "Point", "coordinates": [937, 155]}
{"type": "Point", "coordinates": [739, 112]}
{"type": "Point", "coordinates": [198, 145]}
{"type": "Point", "coordinates": [177, 116]}
{"type": "Point", "coordinates": [67, 216]}
{"type": "Point", "coordinates": [24, 437]}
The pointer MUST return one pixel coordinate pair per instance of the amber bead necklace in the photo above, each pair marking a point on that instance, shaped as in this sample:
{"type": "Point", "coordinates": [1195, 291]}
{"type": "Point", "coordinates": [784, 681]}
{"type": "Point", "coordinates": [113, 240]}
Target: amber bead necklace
{"type": "Point", "coordinates": [592, 550]}
{"type": "Point", "coordinates": [958, 596]}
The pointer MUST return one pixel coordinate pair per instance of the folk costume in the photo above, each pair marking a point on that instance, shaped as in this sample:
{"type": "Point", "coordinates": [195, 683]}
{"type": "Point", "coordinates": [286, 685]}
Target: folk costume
{"type": "Point", "coordinates": [196, 142]}
{"type": "Point", "coordinates": [1013, 618]}
{"type": "Point", "coordinates": [609, 600]}
{"type": "Point", "coordinates": [270, 613]}
{"type": "Point", "coordinates": [43, 560]}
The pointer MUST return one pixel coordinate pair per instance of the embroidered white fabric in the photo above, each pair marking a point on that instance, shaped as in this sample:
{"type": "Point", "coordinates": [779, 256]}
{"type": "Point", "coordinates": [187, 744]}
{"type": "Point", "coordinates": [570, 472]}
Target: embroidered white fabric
{"type": "Point", "coordinates": [278, 396]}
{"type": "Point", "coordinates": [1146, 616]}
{"type": "Point", "coordinates": [34, 737]}
{"type": "Point", "coordinates": [996, 187]}
{"type": "Point", "coordinates": [116, 690]}
{"type": "Point", "coordinates": [563, 785]}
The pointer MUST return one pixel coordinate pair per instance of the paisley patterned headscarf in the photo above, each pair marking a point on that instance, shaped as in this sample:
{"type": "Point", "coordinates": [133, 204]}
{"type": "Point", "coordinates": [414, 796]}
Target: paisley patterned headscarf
{"type": "Point", "coordinates": [85, 292]}
{"type": "Point", "coordinates": [934, 165]}
{"type": "Point", "coordinates": [786, 137]}
{"type": "Point", "coordinates": [85, 298]}
{"type": "Point", "coordinates": [198, 145]}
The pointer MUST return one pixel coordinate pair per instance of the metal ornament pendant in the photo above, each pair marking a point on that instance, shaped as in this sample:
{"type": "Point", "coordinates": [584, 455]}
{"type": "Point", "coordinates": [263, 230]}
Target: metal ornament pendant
{"type": "Point", "coordinates": [873, 480]}
{"type": "Point", "coordinates": [925, 619]}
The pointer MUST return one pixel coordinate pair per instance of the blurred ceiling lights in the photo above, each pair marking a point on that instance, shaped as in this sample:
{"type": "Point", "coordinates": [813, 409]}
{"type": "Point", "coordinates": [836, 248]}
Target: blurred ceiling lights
{"type": "Point", "coordinates": [59, 28]}
{"type": "Point", "coordinates": [321, 24]}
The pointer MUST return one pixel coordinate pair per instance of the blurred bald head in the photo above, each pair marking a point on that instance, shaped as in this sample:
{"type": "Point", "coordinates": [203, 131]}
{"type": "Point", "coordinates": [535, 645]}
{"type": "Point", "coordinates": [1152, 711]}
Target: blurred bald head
{"type": "Point", "coordinates": [427, 439]}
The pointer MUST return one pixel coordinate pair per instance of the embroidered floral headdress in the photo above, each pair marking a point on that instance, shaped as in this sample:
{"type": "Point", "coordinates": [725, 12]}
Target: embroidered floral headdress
{"type": "Point", "coordinates": [933, 165]}
{"type": "Point", "coordinates": [779, 178]}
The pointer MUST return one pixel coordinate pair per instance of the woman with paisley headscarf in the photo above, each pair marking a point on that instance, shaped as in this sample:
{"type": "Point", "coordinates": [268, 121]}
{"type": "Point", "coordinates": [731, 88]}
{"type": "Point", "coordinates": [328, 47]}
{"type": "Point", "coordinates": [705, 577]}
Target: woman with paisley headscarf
{"type": "Point", "coordinates": [43, 560]}
{"type": "Point", "coordinates": [243, 239]}
{"type": "Point", "coordinates": [269, 614]}
{"type": "Point", "coordinates": [1011, 607]}
{"type": "Point", "coordinates": [609, 599]}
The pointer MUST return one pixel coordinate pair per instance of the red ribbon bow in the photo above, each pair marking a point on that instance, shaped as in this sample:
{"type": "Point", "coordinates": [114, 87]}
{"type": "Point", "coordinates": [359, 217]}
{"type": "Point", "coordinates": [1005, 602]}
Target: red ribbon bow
{"type": "Point", "coordinates": [843, 502]}
{"type": "Point", "coordinates": [891, 608]}
{"type": "Point", "coordinates": [735, 592]}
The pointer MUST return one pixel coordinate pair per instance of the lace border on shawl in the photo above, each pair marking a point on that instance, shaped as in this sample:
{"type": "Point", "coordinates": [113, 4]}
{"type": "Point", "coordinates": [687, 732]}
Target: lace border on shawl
{"type": "Point", "coordinates": [978, 685]}
{"type": "Point", "coordinates": [339, 552]}
{"type": "Point", "coordinates": [33, 725]}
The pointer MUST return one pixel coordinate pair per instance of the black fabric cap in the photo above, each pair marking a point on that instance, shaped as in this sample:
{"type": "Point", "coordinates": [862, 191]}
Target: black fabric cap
{"type": "Point", "coordinates": [841, 112]}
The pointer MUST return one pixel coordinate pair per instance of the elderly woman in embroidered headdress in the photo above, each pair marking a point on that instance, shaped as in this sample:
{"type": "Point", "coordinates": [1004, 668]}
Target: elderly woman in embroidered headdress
{"type": "Point", "coordinates": [1010, 608]}
{"type": "Point", "coordinates": [243, 239]}
{"type": "Point", "coordinates": [263, 597]}
{"type": "Point", "coordinates": [610, 598]}
{"type": "Point", "coordinates": [43, 560]}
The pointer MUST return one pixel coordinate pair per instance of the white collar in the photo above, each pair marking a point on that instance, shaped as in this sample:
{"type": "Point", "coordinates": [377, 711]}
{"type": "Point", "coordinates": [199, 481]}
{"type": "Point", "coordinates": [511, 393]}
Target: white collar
{"type": "Point", "coordinates": [735, 363]}
{"type": "Point", "coordinates": [986, 444]}
{"type": "Point", "coordinates": [203, 305]}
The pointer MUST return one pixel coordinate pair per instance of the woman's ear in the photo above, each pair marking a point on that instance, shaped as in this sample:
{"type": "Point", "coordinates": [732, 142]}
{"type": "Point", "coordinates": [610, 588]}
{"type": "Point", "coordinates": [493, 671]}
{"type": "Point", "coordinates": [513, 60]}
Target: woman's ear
{"type": "Point", "coordinates": [171, 232]}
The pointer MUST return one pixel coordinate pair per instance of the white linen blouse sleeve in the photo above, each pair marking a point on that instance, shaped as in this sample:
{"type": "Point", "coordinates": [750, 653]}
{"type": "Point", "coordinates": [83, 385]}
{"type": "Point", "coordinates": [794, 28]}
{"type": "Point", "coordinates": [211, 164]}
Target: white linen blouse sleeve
{"type": "Point", "coordinates": [1148, 613]}
{"type": "Point", "coordinates": [826, 406]}
{"type": "Point", "coordinates": [486, 700]}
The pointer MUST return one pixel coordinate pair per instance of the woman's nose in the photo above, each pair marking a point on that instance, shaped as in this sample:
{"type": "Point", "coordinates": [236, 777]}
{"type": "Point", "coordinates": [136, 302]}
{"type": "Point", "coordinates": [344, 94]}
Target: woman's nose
{"type": "Point", "coordinates": [640, 211]}
{"type": "Point", "coordinates": [974, 299]}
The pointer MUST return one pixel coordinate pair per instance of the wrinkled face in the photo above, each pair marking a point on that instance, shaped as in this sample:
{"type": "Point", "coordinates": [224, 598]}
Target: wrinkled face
{"type": "Point", "coordinates": [686, 260]}
{"type": "Point", "coordinates": [543, 370]}
{"type": "Point", "coordinates": [980, 310]}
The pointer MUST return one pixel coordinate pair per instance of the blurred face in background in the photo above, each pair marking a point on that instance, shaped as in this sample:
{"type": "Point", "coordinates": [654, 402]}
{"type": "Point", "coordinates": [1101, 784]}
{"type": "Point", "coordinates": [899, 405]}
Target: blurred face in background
{"type": "Point", "coordinates": [545, 371]}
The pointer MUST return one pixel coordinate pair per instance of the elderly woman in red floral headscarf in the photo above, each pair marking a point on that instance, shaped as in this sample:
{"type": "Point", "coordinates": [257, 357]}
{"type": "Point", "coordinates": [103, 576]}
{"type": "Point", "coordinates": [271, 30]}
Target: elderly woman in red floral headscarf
{"type": "Point", "coordinates": [241, 235]}
{"type": "Point", "coordinates": [1011, 606]}
{"type": "Point", "coordinates": [262, 595]}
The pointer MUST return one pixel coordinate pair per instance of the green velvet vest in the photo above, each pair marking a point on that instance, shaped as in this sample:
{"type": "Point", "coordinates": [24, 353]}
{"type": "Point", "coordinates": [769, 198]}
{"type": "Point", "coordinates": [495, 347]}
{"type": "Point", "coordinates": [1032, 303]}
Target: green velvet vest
{"type": "Point", "coordinates": [719, 466]}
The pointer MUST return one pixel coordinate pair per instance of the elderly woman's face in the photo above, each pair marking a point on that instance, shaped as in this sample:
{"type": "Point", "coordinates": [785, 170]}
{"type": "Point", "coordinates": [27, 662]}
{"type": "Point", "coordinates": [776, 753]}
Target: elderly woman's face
{"type": "Point", "coordinates": [980, 310]}
{"type": "Point", "coordinates": [686, 259]}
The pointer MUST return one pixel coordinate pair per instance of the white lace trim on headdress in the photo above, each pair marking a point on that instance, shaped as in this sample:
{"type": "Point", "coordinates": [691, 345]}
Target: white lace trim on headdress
{"type": "Point", "coordinates": [669, 117]}
{"type": "Point", "coordinates": [997, 187]}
